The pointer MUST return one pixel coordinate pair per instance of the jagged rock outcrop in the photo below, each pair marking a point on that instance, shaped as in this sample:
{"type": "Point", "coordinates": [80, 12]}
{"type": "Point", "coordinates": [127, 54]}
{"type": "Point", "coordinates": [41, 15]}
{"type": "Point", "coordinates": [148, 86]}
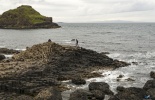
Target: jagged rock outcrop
{"type": "Point", "coordinates": [66, 60]}
{"type": "Point", "coordinates": [42, 65]}
{"type": "Point", "coordinates": [25, 17]}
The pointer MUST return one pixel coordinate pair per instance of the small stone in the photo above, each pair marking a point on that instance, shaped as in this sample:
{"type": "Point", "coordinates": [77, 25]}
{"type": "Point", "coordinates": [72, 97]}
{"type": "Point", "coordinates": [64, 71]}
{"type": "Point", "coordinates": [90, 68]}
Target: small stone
{"type": "Point", "coordinates": [120, 76]}
{"type": "Point", "coordinates": [130, 79]}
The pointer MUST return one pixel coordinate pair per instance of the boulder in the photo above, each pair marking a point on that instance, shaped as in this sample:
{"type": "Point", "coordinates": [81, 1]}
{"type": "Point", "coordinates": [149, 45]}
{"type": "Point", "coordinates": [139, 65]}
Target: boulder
{"type": "Point", "coordinates": [78, 81]}
{"type": "Point", "coordinates": [149, 84]}
{"type": "Point", "coordinates": [120, 76]}
{"type": "Point", "coordinates": [131, 93]}
{"type": "Point", "coordinates": [118, 64]}
{"type": "Point", "coordinates": [120, 88]}
{"type": "Point", "coordinates": [102, 86]}
{"type": "Point", "coordinates": [152, 74]}
{"type": "Point", "coordinates": [129, 79]}
{"type": "Point", "coordinates": [99, 95]}
{"type": "Point", "coordinates": [80, 95]}
{"type": "Point", "coordinates": [49, 94]}
{"type": "Point", "coordinates": [2, 57]}
{"type": "Point", "coordinates": [8, 51]}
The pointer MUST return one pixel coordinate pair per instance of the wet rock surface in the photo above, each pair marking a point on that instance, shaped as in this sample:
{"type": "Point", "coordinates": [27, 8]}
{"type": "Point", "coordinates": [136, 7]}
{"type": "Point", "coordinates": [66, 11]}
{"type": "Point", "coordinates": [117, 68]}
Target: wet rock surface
{"type": "Point", "coordinates": [134, 93]}
{"type": "Point", "coordinates": [152, 74]}
{"type": "Point", "coordinates": [131, 93]}
{"type": "Point", "coordinates": [102, 86]}
{"type": "Point", "coordinates": [43, 65]}
{"type": "Point", "coordinates": [78, 81]}
{"type": "Point", "coordinates": [97, 91]}
{"type": "Point", "coordinates": [87, 95]}
{"type": "Point", "coordinates": [81, 95]}
{"type": "Point", "coordinates": [2, 57]}
{"type": "Point", "coordinates": [8, 51]}
{"type": "Point", "coordinates": [149, 84]}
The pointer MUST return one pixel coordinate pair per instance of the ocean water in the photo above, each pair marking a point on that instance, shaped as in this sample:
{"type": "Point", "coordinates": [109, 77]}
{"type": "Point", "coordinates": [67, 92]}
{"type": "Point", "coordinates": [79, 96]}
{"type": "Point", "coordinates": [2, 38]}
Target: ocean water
{"type": "Point", "coordinates": [130, 42]}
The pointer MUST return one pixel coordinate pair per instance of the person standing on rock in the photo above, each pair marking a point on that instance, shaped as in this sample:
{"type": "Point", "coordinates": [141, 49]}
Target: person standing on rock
{"type": "Point", "coordinates": [77, 43]}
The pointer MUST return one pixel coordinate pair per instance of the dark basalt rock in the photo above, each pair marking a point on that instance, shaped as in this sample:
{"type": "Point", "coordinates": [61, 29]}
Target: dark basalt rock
{"type": "Point", "coordinates": [130, 79]}
{"type": "Point", "coordinates": [2, 57]}
{"type": "Point", "coordinates": [99, 95]}
{"type": "Point", "coordinates": [149, 84]}
{"type": "Point", "coordinates": [120, 88]}
{"type": "Point", "coordinates": [87, 95]}
{"type": "Point", "coordinates": [65, 62]}
{"type": "Point", "coordinates": [49, 94]}
{"type": "Point", "coordinates": [152, 74]}
{"type": "Point", "coordinates": [120, 76]}
{"type": "Point", "coordinates": [151, 92]}
{"type": "Point", "coordinates": [102, 86]}
{"type": "Point", "coordinates": [78, 81]}
{"type": "Point", "coordinates": [81, 95]}
{"type": "Point", "coordinates": [131, 93]}
{"type": "Point", "coordinates": [8, 51]}
{"type": "Point", "coordinates": [42, 65]}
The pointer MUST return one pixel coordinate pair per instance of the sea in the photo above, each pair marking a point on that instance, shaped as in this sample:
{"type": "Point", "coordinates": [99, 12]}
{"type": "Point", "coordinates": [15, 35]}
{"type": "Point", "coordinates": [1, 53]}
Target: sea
{"type": "Point", "coordinates": [130, 42]}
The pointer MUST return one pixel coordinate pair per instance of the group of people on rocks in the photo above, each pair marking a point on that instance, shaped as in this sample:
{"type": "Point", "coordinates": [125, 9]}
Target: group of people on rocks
{"type": "Point", "coordinates": [76, 42]}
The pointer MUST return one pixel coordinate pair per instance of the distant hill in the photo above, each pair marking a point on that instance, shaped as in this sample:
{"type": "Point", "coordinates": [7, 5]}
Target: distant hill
{"type": "Point", "coordinates": [25, 17]}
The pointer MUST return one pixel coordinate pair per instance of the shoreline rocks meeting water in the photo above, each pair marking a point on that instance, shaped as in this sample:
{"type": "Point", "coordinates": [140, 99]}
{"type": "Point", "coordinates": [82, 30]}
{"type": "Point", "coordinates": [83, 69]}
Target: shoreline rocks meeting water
{"type": "Point", "coordinates": [37, 72]}
{"type": "Point", "coordinates": [31, 72]}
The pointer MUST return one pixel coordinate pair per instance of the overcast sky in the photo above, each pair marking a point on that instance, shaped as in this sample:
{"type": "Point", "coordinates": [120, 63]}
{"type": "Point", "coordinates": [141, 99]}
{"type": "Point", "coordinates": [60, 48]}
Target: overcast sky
{"type": "Point", "coordinates": [89, 10]}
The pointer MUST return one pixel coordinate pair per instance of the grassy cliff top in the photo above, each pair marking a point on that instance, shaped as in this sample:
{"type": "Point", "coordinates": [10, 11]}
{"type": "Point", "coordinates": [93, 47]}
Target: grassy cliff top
{"type": "Point", "coordinates": [23, 12]}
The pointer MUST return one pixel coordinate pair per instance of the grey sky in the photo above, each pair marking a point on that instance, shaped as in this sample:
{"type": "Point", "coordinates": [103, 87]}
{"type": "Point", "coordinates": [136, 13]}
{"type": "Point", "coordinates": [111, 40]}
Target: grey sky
{"type": "Point", "coordinates": [89, 10]}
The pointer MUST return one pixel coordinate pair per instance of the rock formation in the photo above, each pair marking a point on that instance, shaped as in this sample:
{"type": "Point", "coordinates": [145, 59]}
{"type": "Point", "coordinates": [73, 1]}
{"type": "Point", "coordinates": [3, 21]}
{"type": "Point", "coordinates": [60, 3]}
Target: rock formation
{"type": "Point", "coordinates": [29, 73]}
{"type": "Point", "coordinates": [25, 17]}
{"type": "Point", "coordinates": [8, 51]}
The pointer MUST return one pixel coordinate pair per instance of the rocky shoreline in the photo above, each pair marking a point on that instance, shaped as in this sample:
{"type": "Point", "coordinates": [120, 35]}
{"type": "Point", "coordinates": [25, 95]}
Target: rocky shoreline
{"type": "Point", "coordinates": [37, 73]}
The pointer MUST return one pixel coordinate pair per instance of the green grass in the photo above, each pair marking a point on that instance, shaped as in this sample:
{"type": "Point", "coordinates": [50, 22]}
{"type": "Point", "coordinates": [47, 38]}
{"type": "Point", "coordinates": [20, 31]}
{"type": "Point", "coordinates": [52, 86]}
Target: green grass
{"type": "Point", "coordinates": [23, 14]}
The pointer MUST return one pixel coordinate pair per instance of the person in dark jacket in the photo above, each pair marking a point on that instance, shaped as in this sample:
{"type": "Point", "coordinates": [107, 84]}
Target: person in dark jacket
{"type": "Point", "coordinates": [77, 43]}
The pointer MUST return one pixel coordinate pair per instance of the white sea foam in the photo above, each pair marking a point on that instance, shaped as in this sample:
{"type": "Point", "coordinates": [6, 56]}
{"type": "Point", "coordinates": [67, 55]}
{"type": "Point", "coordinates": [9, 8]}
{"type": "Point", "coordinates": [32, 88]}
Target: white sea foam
{"type": "Point", "coordinates": [8, 56]}
{"type": "Point", "coordinates": [20, 49]}
{"type": "Point", "coordinates": [2, 46]}
{"type": "Point", "coordinates": [139, 73]}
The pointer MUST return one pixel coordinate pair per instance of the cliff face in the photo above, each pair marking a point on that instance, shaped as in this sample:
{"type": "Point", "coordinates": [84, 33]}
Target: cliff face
{"type": "Point", "coordinates": [25, 17]}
